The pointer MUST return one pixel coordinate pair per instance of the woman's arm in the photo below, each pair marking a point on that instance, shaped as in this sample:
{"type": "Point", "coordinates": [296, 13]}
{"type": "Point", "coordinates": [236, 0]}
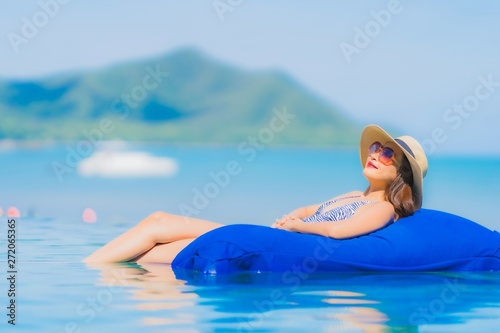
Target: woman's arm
{"type": "Point", "coordinates": [307, 211]}
{"type": "Point", "coordinates": [304, 212]}
{"type": "Point", "coordinates": [368, 218]}
{"type": "Point", "coordinates": [299, 213]}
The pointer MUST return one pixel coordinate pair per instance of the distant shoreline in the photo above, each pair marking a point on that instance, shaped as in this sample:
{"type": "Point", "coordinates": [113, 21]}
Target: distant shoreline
{"type": "Point", "coordinates": [6, 144]}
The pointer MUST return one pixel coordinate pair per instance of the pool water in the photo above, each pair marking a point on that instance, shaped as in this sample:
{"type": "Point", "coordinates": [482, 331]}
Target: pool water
{"type": "Point", "coordinates": [56, 292]}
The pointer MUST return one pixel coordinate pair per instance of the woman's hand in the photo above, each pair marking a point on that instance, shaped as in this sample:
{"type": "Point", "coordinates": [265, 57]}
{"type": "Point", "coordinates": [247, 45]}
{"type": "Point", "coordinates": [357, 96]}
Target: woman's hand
{"type": "Point", "coordinates": [288, 222]}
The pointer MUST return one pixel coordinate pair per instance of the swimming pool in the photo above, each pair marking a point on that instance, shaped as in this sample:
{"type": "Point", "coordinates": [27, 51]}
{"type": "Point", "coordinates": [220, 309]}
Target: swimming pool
{"type": "Point", "coordinates": [56, 292]}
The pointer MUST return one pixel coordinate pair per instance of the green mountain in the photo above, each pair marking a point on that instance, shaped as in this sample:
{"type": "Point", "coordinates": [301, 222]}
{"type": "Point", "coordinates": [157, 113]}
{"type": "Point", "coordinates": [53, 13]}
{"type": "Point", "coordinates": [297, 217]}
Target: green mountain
{"type": "Point", "coordinates": [181, 97]}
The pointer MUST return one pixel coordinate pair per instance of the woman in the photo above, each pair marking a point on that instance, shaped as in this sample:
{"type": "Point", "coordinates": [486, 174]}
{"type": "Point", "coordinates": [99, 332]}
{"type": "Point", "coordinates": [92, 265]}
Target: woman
{"type": "Point", "coordinates": [394, 169]}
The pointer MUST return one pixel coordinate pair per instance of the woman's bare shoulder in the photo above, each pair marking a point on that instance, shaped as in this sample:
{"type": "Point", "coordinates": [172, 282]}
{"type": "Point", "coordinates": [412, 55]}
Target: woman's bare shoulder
{"type": "Point", "coordinates": [385, 208]}
{"type": "Point", "coordinates": [349, 194]}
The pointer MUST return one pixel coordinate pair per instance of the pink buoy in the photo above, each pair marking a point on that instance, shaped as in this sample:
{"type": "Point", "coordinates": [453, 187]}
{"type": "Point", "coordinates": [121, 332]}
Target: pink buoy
{"type": "Point", "coordinates": [89, 216]}
{"type": "Point", "coordinates": [1, 211]}
{"type": "Point", "coordinates": [13, 212]}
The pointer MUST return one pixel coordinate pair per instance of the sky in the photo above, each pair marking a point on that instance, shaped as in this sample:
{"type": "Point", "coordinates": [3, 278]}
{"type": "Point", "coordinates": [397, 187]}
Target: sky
{"type": "Point", "coordinates": [430, 69]}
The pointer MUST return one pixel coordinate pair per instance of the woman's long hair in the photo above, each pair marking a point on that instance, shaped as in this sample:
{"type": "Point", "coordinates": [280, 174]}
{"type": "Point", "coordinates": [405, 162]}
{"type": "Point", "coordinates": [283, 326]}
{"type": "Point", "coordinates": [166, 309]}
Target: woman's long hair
{"type": "Point", "coordinates": [399, 192]}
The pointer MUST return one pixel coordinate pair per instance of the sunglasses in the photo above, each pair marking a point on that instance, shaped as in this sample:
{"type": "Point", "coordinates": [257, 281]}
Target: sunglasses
{"type": "Point", "coordinates": [386, 154]}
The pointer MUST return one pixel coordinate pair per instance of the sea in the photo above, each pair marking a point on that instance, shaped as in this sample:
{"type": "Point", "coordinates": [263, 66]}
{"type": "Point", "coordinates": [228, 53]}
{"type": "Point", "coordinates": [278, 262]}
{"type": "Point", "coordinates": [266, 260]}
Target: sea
{"type": "Point", "coordinates": [48, 289]}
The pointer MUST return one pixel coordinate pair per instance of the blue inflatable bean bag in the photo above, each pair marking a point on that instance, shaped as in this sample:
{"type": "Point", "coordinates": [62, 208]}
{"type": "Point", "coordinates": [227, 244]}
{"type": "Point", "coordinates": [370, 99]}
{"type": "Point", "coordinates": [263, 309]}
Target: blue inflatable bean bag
{"type": "Point", "coordinates": [427, 241]}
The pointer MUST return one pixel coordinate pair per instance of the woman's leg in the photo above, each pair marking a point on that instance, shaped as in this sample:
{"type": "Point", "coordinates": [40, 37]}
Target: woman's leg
{"type": "Point", "coordinates": [158, 228]}
{"type": "Point", "coordinates": [163, 253]}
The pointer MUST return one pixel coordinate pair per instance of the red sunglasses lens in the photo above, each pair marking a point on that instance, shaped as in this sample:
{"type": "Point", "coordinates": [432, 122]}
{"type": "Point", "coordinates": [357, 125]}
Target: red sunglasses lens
{"type": "Point", "coordinates": [386, 155]}
{"type": "Point", "coordinates": [375, 147]}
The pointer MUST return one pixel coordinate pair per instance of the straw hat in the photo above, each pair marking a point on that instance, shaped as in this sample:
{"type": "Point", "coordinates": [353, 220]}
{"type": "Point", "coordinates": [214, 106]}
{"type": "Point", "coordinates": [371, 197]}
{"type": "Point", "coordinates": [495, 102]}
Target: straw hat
{"type": "Point", "coordinates": [410, 147]}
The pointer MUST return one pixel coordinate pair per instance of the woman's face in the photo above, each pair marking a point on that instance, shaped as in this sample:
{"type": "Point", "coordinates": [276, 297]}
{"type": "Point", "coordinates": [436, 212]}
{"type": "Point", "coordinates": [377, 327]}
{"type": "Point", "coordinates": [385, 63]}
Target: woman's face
{"type": "Point", "coordinates": [375, 170]}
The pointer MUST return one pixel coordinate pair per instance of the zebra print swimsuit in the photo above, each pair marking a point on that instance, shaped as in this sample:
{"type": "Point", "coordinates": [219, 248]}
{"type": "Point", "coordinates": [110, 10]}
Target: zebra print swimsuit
{"type": "Point", "coordinates": [338, 213]}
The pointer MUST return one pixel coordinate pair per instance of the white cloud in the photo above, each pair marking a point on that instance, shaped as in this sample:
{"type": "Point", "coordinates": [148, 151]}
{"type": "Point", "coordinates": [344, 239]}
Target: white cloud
{"type": "Point", "coordinates": [127, 164]}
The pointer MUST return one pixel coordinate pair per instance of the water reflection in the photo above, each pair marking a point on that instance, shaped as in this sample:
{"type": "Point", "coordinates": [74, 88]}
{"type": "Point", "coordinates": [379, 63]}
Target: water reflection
{"type": "Point", "coordinates": [153, 288]}
{"type": "Point", "coordinates": [340, 302]}
{"type": "Point", "coordinates": [409, 302]}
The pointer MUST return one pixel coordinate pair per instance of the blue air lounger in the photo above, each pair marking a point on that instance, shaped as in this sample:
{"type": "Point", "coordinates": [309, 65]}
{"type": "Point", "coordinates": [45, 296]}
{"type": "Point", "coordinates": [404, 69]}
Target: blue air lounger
{"type": "Point", "coordinates": [427, 241]}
